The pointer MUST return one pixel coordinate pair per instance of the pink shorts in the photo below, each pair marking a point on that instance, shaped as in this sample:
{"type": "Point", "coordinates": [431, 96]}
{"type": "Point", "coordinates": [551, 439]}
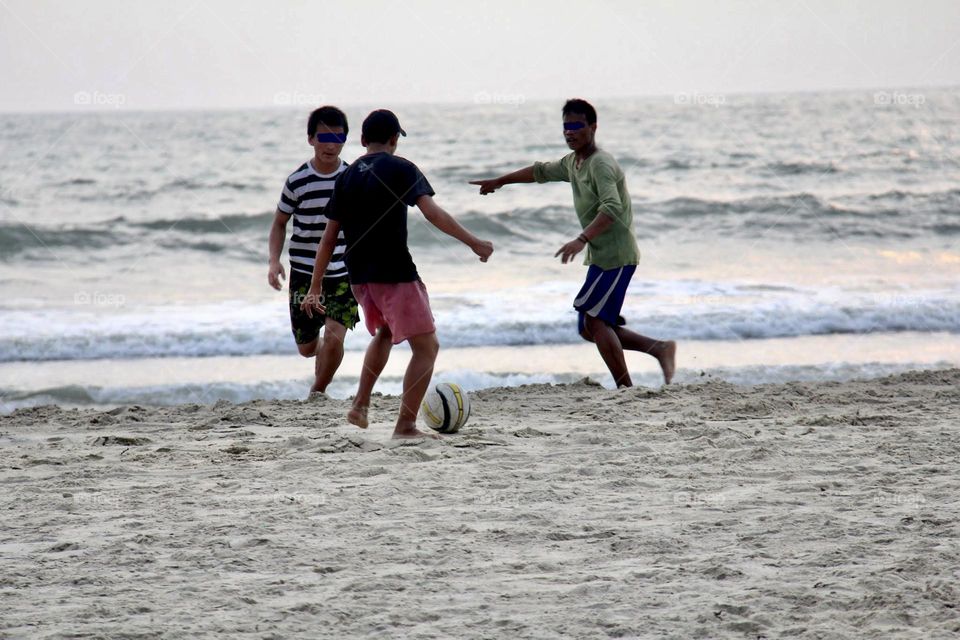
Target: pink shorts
{"type": "Point", "coordinates": [403, 307]}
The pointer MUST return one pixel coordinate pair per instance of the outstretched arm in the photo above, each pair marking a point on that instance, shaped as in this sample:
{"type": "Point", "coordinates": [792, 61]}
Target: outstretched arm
{"type": "Point", "coordinates": [446, 223]}
{"type": "Point", "coordinates": [492, 184]}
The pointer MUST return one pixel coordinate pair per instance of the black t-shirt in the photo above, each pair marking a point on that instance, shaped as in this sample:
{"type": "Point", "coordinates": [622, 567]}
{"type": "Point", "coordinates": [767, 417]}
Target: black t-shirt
{"type": "Point", "coordinates": [370, 202]}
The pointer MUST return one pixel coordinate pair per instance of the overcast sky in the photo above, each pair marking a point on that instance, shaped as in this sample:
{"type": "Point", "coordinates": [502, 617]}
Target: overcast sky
{"type": "Point", "coordinates": [229, 53]}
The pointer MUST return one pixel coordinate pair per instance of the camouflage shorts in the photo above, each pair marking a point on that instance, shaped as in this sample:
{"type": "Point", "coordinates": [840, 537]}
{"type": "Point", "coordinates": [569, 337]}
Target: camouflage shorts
{"type": "Point", "coordinates": [337, 298]}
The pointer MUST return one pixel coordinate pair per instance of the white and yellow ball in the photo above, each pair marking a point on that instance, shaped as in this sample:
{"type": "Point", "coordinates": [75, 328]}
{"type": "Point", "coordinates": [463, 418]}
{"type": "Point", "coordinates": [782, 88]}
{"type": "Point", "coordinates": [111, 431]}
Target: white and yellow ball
{"type": "Point", "coordinates": [445, 408]}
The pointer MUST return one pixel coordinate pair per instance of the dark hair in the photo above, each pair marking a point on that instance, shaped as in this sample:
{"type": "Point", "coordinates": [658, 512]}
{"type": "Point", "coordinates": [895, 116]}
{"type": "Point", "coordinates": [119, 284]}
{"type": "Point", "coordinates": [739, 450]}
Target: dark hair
{"type": "Point", "coordinates": [330, 116]}
{"type": "Point", "coordinates": [581, 107]}
{"type": "Point", "coordinates": [380, 126]}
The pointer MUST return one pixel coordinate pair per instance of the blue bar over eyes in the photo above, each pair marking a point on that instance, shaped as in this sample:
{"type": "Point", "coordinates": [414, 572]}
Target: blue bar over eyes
{"type": "Point", "coordinates": [339, 138]}
{"type": "Point", "coordinates": [573, 126]}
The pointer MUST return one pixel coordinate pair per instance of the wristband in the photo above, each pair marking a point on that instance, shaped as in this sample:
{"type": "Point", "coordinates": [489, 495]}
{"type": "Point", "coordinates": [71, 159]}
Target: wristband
{"type": "Point", "coordinates": [582, 238]}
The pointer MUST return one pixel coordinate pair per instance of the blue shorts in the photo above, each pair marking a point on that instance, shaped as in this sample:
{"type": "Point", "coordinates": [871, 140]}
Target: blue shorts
{"type": "Point", "coordinates": [602, 294]}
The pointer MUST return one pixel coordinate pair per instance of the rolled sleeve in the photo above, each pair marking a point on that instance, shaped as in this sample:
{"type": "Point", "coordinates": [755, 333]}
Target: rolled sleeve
{"type": "Point", "coordinates": [558, 171]}
{"type": "Point", "coordinates": [608, 191]}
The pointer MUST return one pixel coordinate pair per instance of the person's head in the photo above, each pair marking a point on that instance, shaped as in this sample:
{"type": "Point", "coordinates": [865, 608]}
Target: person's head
{"type": "Point", "coordinates": [327, 130]}
{"type": "Point", "coordinates": [579, 123]}
{"type": "Point", "coordinates": [381, 127]}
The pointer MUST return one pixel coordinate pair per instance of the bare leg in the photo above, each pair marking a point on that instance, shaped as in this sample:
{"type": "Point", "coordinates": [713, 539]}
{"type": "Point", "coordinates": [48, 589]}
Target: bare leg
{"type": "Point", "coordinates": [608, 344]}
{"type": "Point", "coordinates": [329, 355]}
{"type": "Point", "coordinates": [308, 349]}
{"type": "Point", "coordinates": [415, 383]}
{"type": "Point", "coordinates": [373, 363]}
{"type": "Point", "coordinates": [665, 351]}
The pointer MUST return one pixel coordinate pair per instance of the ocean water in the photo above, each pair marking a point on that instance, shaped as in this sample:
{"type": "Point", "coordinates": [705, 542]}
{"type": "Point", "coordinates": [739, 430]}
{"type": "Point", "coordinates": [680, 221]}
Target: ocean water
{"type": "Point", "coordinates": [802, 236]}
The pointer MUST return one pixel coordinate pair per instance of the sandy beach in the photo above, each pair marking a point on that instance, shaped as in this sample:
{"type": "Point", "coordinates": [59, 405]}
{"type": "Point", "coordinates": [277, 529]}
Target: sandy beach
{"type": "Point", "coordinates": [806, 510]}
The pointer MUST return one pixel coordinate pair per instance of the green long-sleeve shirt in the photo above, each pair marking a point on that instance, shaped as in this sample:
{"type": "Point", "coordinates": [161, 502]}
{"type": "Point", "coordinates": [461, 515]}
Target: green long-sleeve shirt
{"type": "Point", "coordinates": [598, 185]}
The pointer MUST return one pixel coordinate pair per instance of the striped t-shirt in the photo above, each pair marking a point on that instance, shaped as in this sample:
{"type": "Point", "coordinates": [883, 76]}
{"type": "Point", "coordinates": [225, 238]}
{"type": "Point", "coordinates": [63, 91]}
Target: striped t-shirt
{"type": "Point", "coordinates": [304, 196]}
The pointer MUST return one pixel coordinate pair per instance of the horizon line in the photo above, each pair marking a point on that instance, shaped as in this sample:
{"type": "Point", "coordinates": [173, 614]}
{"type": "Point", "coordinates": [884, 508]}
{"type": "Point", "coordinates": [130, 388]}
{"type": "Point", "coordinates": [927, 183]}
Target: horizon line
{"type": "Point", "coordinates": [452, 101]}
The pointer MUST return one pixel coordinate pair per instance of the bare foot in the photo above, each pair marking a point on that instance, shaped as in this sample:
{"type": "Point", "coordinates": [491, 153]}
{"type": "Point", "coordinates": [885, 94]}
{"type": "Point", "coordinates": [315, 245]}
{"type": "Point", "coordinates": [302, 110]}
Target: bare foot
{"type": "Point", "coordinates": [316, 389]}
{"type": "Point", "coordinates": [358, 416]}
{"type": "Point", "coordinates": [409, 431]}
{"type": "Point", "coordinates": [667, 357]}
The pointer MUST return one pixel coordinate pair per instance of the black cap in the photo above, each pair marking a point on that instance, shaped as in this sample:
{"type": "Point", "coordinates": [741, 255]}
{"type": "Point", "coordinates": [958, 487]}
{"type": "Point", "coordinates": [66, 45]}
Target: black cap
{"type": "Point", "coordinates": [381, 125]}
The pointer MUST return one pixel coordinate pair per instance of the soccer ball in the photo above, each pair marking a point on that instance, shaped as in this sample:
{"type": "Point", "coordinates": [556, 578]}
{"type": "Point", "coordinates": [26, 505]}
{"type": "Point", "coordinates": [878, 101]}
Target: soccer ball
{"type": "Point", "coordinates": [445, 408]}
